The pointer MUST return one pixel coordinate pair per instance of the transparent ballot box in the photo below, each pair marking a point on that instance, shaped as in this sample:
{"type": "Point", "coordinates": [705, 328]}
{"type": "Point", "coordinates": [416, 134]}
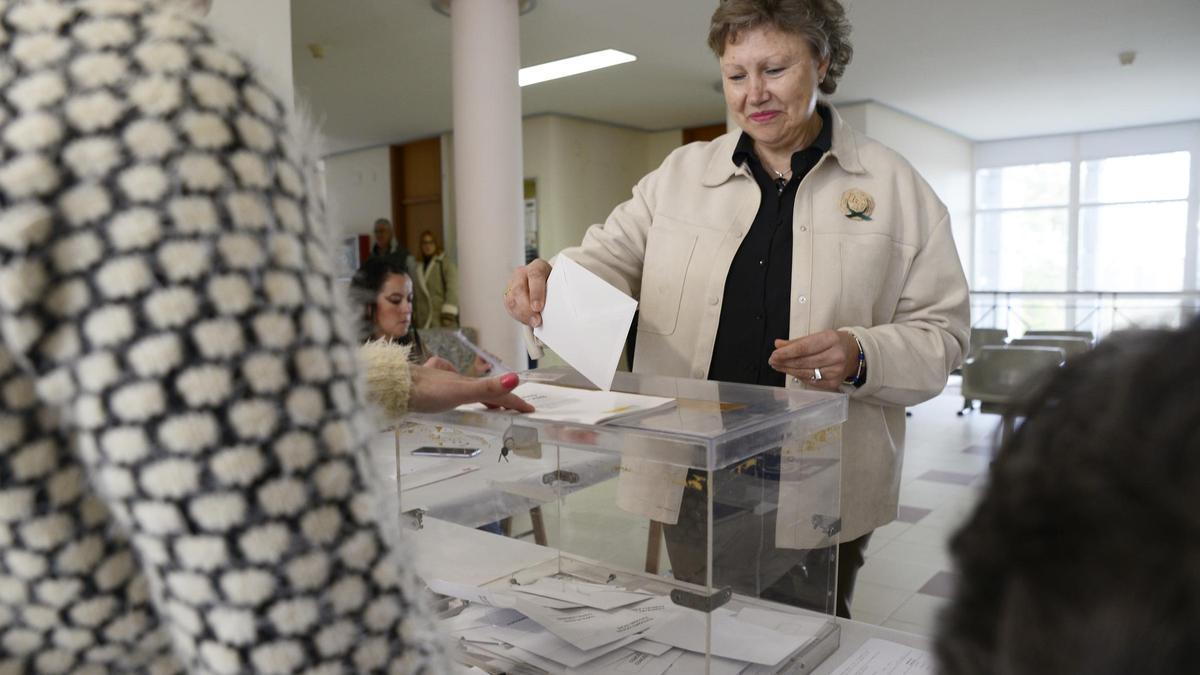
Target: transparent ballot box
{"type": "Point", "coordinates": [691, 529]}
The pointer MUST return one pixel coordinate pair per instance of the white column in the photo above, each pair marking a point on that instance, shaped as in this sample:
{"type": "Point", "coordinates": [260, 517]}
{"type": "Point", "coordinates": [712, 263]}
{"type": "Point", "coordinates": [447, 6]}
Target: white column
{"type": "Point", "coordinates": [487, 167]}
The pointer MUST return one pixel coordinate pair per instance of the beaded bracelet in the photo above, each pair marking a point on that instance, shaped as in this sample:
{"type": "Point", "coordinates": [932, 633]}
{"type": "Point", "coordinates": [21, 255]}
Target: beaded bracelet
{"type": "Point", "coordinates": [860, 377]}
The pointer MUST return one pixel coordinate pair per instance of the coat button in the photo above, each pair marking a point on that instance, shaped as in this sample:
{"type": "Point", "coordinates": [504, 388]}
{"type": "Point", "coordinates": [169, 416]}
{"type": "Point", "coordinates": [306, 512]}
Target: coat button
{"type": "Point", "coordinates": [802, 300]}
{"type": "Point", "coordinates": [804, 228]}
{"type": "Point", "coordinates": [738, 234]}
{"type": "Point", "coordinates": [714, 300]}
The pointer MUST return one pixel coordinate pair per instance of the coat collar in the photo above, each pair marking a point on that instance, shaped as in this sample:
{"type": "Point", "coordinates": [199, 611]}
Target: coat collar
{"type": "Point", "coordinates": [721, 167]}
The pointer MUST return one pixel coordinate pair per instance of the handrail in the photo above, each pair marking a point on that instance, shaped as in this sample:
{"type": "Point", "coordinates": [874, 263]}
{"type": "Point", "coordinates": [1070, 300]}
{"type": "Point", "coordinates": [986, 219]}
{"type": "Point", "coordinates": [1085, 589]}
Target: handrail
{"type": "Point", "coordinates": [1100, 312]}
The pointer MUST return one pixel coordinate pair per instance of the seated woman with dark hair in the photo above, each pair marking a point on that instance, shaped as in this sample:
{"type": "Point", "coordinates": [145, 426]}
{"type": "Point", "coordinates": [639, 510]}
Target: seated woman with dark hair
{"type": "Point", "coordinates": [1083, 556]}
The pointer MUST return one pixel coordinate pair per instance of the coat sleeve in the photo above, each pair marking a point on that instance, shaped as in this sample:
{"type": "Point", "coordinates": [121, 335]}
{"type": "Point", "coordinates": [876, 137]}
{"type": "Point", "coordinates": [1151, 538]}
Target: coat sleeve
{"type": "Point", "coordinates": [389, 380]}
{"type": "Point", "coordinates": [910, 359]}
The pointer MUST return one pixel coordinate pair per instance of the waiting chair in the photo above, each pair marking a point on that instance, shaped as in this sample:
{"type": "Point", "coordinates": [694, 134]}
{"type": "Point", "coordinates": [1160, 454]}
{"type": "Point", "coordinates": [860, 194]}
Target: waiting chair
{"type": "Point", "coordinates": [980, 338]}
{"type": "Point", "coordinates": [1000, 375]}
{"type": "Point", "coordinates": [1071, 346]}
{"type": "Point", "coordinates": [1085, 334]}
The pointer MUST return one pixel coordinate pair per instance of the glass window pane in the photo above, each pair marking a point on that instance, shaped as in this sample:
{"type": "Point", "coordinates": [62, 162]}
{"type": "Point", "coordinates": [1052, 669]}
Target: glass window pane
{"type": "Point", "coordinates": [1138, 178]}
{"type": "Point", "coordinates": [1132, 247]}
{"type": "Point", "coordinates": [1021, 250]}
{"type": "Point", "coordinates": [1023, 186]}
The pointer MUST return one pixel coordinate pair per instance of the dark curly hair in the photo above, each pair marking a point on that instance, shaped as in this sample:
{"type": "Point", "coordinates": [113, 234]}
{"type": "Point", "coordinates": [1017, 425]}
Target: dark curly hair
{"type": "Point", "coordinates": [365, 285]}
{"type": "Point", "coordinates": [1083, 555]}
{"type": "Point", "coordinates": [822, 22]}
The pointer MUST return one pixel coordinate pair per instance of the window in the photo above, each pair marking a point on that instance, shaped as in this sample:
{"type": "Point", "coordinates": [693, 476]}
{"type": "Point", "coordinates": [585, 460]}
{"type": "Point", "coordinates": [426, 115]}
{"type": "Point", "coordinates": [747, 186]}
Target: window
{"type": "Point", "coordinates": [1085, 234]}
{"type": "Point", "coordinates": [1133, 222]}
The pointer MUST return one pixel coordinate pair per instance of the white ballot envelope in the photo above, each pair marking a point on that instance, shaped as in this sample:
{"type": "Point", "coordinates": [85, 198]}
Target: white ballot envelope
{"type": "Point", "coordinates": [585, 321]}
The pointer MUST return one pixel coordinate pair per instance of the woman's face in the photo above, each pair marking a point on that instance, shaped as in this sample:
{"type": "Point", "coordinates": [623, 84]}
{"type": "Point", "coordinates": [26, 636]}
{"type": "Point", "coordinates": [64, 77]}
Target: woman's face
{"type": "Point", "coordinates": [770, 81]}
{"type": "Point", "coordinates": [393, 307]}
{"type": "Point", "coordinates": [428, 246]}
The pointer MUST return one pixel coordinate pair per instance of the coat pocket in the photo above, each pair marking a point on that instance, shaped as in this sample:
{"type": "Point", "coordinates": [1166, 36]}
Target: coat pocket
{"type": "Point", "coordinates": [668, 254]}
{"type": "Point", "coordinates": [873, 270]}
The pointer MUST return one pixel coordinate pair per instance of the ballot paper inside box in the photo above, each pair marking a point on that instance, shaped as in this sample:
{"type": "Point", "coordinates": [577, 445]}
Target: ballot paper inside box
{"type": "Point", "coordinates": [721, 506]}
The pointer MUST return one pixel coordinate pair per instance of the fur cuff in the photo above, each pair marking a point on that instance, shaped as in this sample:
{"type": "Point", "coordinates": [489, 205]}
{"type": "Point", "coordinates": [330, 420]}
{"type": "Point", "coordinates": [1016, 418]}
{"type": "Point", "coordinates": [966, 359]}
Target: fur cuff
{"type": "Point", "coordinates": [452, 310]}
{"type": "Point", "coordinates": [388, 377]}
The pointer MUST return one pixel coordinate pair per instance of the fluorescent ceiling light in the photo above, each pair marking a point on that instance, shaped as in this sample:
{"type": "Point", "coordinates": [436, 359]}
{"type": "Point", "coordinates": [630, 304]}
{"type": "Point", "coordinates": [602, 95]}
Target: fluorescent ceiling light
{"type": "Point", "coordinates": [572, 66]}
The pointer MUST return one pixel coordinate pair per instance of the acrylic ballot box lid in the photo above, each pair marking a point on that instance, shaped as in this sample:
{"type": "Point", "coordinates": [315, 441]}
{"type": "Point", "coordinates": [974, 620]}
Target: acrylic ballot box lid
{"type": "Point", "coordinates": [712, 425]}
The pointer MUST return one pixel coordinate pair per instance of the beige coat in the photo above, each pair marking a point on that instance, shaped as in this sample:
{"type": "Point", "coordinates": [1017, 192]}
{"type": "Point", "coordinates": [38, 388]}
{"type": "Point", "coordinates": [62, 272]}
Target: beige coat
{"type": "Point", "coordinates": [894, 279]}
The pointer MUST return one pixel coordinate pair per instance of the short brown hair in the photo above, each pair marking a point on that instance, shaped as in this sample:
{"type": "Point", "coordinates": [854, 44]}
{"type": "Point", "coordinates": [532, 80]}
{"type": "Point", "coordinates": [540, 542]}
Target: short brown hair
{"type": "Point", "coordinates": [822, 22]}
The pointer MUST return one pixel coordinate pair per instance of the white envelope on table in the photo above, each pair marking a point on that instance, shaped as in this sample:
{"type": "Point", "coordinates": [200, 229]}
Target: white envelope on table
{"type": "Point", "coordinates": [585, 321]}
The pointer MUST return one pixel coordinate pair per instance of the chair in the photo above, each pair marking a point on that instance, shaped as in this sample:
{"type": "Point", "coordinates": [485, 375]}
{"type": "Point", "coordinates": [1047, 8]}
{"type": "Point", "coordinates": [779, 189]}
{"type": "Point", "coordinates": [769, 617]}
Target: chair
{"type": "Point", "coordinates": [980, 338]}
{"type": "Point", "coordinates": [1085, 334]}
{"type": "Point", "coordinates": [1000, 375]}
{"type": "Point", "coordinates": [1071, 346]}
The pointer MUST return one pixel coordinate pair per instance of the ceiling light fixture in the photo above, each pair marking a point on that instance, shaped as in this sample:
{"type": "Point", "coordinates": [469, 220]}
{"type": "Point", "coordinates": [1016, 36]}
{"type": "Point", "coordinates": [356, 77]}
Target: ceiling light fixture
{"type": "Point", "coordinates": [573, 65]}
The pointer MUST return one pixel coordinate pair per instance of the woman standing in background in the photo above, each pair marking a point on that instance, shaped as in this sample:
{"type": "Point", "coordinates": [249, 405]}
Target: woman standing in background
{"type": "Point", "coordinates": [436, 284]}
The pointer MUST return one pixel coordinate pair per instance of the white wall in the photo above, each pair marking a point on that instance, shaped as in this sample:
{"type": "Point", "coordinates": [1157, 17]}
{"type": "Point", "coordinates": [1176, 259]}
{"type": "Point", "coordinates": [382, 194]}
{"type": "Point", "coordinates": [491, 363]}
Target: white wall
{"type": "Point", "coordinates": [358, 190]}
{"type": "Point", "coordinates": [944, 158]}
{"type": "Point", "coordinates": [262, 31]}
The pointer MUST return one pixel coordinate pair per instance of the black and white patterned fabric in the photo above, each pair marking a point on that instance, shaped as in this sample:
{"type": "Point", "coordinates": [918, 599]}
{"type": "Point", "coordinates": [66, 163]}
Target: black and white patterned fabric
{"type": "Point", "coordinates": [182, 485]}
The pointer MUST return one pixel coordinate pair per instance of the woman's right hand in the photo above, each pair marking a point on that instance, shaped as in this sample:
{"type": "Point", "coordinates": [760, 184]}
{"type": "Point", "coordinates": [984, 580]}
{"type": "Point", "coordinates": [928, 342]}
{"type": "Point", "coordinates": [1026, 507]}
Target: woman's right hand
{"type": "Point", "coordinates": [436, 390]}
{"type": "Point", "coordinates": [525, 297]}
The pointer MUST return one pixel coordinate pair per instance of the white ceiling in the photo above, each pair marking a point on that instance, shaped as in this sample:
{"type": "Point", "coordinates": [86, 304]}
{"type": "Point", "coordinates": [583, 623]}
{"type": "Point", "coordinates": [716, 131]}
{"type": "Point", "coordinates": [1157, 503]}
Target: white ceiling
{"type": "Point", "coordinates": [985, 69]}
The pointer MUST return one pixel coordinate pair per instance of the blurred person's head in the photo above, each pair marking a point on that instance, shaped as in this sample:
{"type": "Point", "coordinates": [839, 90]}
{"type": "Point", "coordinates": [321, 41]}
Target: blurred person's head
{"type": "Point", "coordinates": [384, 289]}
{"type": "Point", "coordinates": [428, 245]}
{"type": "Point", "coordinates": [1083, 555]}
{"type": "Point", "coordinates": [383, 234]}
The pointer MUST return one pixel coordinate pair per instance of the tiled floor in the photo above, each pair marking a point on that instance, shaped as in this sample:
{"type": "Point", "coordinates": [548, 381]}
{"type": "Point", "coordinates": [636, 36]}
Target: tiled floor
{"type": "Point", "coordinates": [907, 577]}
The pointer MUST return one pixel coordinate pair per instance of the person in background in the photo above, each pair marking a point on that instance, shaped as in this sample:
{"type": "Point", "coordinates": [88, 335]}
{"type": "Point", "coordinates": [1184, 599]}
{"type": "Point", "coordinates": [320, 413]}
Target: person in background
{"type": "Point", "coordinates": [387, 244]}
{"type": "Point", "coordinates": [794, 252]}
{"type": "Point", "coordinates": [1083, 555]}
{"type": "Point", "coordinates": [182, 426]}
{"type": "Point", "coordinates": [436, 287]}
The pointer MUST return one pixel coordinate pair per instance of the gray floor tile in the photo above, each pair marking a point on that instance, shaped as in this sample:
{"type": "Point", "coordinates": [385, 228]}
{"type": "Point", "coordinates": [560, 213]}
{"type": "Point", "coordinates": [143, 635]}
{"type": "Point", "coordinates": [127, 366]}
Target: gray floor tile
{"type": "Point", "coordinates": [912, 514]}
{"type": "Point", "coordinates": [942, 585]}
{"type": "Point", "coordinates": [952, 477]}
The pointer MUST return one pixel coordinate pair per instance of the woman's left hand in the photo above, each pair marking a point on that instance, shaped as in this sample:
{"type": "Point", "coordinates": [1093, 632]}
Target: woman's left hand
{"type": "Point", "coordinates": [832, 352]}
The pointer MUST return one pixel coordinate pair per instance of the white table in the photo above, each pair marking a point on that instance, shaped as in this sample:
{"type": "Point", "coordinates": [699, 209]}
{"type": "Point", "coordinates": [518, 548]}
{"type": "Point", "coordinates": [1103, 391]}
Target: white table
{"type": "Point", "coordinates": [448, 551]}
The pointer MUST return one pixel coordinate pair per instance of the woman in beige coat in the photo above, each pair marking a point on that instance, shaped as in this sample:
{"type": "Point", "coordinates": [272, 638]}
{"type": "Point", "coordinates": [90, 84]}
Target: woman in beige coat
{"type": "Point", "coordinates": [795, 253]}
{"type": "Point", "coordinates": [436, 286]}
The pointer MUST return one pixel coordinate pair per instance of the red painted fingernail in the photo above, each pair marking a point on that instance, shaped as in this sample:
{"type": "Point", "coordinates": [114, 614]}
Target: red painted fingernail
{"type": "Point", "coordinates": [509, 380]}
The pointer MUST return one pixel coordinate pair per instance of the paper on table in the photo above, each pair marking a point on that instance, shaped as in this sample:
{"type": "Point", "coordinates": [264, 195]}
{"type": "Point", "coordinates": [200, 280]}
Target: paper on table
{"type": "Point", "coordinates": [796, 625]}
{"type": "Point", "coordinates": [731, 638]}
{"type": "Point", "coordinates": [585, 321]}
{"type": "Point", "coordinates": [476, 616]}
{"type": "Point", "coordinates": [530, 636]}
{"type": "Point", "coordinates": [883, 657]}
{"type": "Point", "coordinates": [584, 406]}
{"type": "Point", "coordinates": [690, 663]}
{"type": "Point", "coordinates": [649, 647]}
{"type": "Point", "coordinates": [588, 628]}
{"type": "Point", "coordinates": [501, 599]}
{"type": "Point", "coordinates": [629, 662]}
{"type": "Point", "coordinates": [582, 593]}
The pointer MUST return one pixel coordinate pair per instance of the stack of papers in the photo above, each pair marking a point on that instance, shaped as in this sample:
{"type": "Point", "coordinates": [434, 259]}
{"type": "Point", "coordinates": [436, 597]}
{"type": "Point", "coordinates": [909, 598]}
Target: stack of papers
{"type": "Point", "coordinates": [582, 406]}
{"type": "Point", "coordinates": [568, 626]}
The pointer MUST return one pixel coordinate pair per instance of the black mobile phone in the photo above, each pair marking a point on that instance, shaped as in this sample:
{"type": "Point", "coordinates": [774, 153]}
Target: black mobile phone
{"type": "Point", "coordinates": [433, 451]}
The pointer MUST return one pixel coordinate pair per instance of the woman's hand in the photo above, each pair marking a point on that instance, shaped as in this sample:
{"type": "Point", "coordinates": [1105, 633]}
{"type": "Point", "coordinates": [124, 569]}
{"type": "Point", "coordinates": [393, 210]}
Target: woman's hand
{"type": "Point", "coordinates": [436, 390]}
{"type": "Point", "coordinates": [525, 296]}
{"type": "Point", "coordinates": [834, 353]}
